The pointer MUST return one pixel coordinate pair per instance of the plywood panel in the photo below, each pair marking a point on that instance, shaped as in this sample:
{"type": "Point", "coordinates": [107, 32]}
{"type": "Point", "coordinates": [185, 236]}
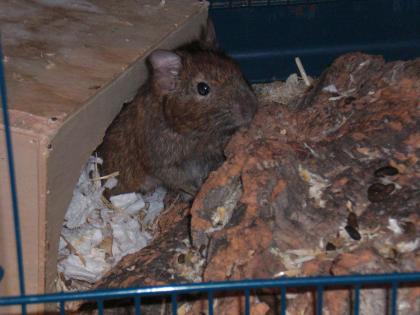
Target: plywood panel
{"type": "Point", "coordinates": [27, 175]}
{"type": "Point", "coordinates": [59, 53]}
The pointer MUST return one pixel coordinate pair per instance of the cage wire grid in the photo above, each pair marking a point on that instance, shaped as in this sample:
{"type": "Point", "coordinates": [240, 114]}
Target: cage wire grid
{"type": "Point", "coordinates": [318, 285]}
{"type": "Point", "coordinates": [174, 291]}
{"type": "Point", "coordinates": [219, 4]}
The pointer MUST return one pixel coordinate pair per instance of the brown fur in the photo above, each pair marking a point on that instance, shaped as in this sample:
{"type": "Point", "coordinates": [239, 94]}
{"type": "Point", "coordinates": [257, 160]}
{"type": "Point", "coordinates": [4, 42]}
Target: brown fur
{"type": "Point", "coordinates": [170, 134]}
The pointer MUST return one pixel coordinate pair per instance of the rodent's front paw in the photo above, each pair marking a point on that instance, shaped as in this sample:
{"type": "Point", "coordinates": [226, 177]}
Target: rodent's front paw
{"type": "Point", "coordinates": [187, 191]}
{"type": "Point", "coordinates": [186, 197]}
{"type": "Point", "coordinates": [189, 188]}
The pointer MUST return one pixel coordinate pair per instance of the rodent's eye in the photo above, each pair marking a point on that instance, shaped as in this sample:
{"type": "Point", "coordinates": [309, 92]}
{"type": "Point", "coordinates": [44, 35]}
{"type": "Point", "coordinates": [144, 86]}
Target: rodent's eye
{"type": "Point", "coordinates": [203, 88]}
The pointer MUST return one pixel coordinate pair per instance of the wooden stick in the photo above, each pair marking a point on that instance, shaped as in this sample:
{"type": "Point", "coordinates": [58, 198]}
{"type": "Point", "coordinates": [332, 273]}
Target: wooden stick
{"type": "Point", "coordinates": [74, 250]}
{"type": "Point", "coordinates": [302, 71]}
{"type": "Point", "coordinates": [114, 174]}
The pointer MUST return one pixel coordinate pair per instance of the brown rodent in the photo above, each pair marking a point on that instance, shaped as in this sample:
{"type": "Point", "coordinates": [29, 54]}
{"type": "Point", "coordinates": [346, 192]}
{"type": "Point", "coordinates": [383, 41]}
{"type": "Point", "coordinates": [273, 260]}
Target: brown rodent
{"type": "Point", "coordinates": [174, 131]}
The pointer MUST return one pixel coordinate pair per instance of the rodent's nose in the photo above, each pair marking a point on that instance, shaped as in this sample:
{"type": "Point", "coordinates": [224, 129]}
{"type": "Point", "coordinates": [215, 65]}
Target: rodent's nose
{"type": "Point", "coordinates": [244, 105]}
{"type": "Point", "coordinates": [249, 107]}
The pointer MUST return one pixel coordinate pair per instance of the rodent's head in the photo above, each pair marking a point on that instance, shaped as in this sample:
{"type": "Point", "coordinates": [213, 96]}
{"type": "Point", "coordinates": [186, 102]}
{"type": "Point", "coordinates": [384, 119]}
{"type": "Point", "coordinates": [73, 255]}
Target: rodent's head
{"type": "Point", "coordinates": [202, 91]}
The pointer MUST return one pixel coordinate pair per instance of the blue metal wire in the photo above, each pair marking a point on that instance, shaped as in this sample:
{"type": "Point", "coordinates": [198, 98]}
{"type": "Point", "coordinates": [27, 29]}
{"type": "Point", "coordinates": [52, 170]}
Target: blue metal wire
{"type": "Point", "coordinates": [210, 302]}
{"type": "Point", "coordinates": [100, 304]}
{"type": "Point", "coordinates": [137, 306]}
{"type": "Point", "coordinates": [247, 304]}
{"type": "Point", "coordinates": [319, 299]}
{"type": "Point", "coordinates": [62, 308]}
{"type": "Point", "coordinates": [356, 305]}
{"type": "Point", "coordinates": [10, 160]}
{"type": "Point", "coordinates": [230, 4]}
{"type": "Point", "coordinates": [394, 297]}
{"type": "Point", "coordinates": [283, 301]}
{"type": "Point", "coordinates": [302, 282]}
{"type": "Point", "coordinates": [174, 304]}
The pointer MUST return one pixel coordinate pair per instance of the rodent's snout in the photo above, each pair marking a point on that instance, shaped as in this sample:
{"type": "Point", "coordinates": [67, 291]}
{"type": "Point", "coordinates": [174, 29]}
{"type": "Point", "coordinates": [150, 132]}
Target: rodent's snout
{"type": "Point", "coordinates": [250, 107]}
{"type": "Point", "coordinates": [245, 108]}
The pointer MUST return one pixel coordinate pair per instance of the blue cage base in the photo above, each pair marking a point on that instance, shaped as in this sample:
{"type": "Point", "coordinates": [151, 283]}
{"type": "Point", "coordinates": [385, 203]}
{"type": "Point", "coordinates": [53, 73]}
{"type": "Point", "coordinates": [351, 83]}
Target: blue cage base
{"type": "Point", "coordinates": [266, 36]}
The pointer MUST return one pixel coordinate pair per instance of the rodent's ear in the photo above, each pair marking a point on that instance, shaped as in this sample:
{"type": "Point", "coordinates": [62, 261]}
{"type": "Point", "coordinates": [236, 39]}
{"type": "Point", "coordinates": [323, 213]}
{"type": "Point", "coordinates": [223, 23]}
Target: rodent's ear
{"type": "Point", "coordinates": [208, 38]}
{"type": "Point", "coordinates": [166, 66]}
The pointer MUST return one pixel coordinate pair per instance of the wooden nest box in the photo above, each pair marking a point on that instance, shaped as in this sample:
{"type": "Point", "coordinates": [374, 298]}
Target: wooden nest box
{"type": "Point", "coordinates": [69, 69]}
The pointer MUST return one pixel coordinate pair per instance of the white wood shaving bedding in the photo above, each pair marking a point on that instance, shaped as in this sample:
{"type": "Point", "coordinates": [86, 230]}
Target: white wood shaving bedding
{"type": "Point", "coordinates": [97, 233]}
